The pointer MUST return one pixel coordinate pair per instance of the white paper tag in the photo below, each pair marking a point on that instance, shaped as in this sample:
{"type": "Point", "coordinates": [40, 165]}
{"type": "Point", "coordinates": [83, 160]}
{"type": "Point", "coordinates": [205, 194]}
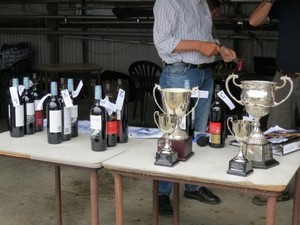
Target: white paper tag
{"type": "Point", "coordinates": [109, 106]}
{"type": "Point", "coordinates": [199, 94]}
{"type": "Point", "coordinates": [78, 89]}
{"type": "Point", "coordinates": [120, 99]}
{"type": "Point", "coordinates": [225, 99]}
{"type": "Point", "coordinates": [14, 96]}
{"type": "Point", "coordinates": [21, 89]}
{"type": "Point", "coordinates": [67, 99]}
{"type": "Point", "coordinates": [40, 105]}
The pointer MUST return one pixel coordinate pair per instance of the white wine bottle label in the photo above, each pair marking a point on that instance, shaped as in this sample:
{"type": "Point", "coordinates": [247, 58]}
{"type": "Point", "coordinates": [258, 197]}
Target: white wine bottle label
{"type": "Point", "coordinates": [67, 120]}
{"type": "Point", "coordinates": [55, 121]}
{"type": "Point", "coordinates": [74, 111]}
{"type": "Point", "coordinates": [14, 96]}
{"type": "Point", "coordinates": [30, 109]}
{"type": "Point", "coordinates": [119, 116]}
{"type": "Point", "coordinates": [19, 116]}
{"type": "Point", "coordinates": [96, 122]}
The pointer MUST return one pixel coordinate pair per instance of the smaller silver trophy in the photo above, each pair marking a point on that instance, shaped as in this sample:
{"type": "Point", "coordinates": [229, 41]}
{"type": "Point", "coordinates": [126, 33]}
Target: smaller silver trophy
{"type": "Point", "coordinates": [240, 165]}
{"type": "Point", "coordinates": [166, 156]}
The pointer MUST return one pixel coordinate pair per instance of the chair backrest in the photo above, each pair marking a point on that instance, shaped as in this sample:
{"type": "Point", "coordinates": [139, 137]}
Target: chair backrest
{"type": "Point", "coordinates": [146, 73]}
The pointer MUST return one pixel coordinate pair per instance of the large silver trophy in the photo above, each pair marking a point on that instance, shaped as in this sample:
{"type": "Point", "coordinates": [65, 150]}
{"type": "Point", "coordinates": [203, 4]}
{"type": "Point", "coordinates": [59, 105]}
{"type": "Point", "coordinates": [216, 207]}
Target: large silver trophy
{"type": "Point", "coordinates": [176, 101]}
{"type": "Point", "coordinates": [258, 97]}
{"type": "Point", "coordinates": [240, 165]}
{"type": "Point", "coordinates": [166, 156]}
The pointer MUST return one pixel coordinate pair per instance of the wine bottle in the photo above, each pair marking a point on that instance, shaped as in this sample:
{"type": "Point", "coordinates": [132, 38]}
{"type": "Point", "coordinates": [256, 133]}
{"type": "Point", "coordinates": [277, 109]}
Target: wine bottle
{"type": "Point", "coordinates": [98, 117]}
{"type": "Point", "coordinates": [54, 117]}
{"type": "Point", "coordinates": [66, 113]}
{"type": "Point", "coordinates": [38, 113]}
{"type": "Point", "coordinates": [111, 120]}
{"type": "Point", "coordinates": [29, 119]}
{"type": "Point", "coordinates": [16, 113]}
{"type": "Point", "coordinates": [216, 126]}
{"type": "Point", "coordinates": [122, 115]}
{"type": "Point", "coordinates": [74, 109]}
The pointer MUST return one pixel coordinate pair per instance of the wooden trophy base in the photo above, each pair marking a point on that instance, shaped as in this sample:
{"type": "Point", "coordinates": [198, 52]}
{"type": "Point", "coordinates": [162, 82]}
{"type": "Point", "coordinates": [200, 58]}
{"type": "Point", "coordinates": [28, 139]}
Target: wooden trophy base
{"type": "Point", "coordinates": [182, 147]}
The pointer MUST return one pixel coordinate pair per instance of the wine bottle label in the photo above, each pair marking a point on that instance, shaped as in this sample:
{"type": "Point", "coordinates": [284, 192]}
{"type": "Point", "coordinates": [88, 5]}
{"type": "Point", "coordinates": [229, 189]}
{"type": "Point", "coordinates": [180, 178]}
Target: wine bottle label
{"type": "Point", "coordinates": [39, 118]}
{"type": "Point", "coordinates": [214, 129]}
{"type": "Point", "coordinates": [215, 138]}
{"type": "Point", "coordinates": [14, 96]}
{"type": "Point", "coordinates": [96, 122]}
{"type": "Point", "coordinates": [67, 120]}
{"type": "Point", "coordinates": [67, 99]}
{"type": "Point", "coordinates": [30, 109]}
{"type": "Point", "coordinates": [112, 127]}
{"type": "Point", "coordinates": [55, 121]}
{"type": "Point", "coordinates": [19, 116]}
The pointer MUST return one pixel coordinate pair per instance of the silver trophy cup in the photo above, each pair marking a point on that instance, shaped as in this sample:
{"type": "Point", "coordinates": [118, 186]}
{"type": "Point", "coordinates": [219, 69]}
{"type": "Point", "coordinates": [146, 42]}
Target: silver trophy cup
{"type": "Point", "coordinates": [176, 101]}
{"type": "Point", "coordinates": [240, 165]}
{"type": "Point", "coordinates": [166, 156]}
{"type": "Point", "coordinates": [258, 97]}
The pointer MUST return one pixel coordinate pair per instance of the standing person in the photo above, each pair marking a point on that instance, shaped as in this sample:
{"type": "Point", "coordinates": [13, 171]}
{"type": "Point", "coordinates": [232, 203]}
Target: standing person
{"type": "Point", "coordinates": [183, 38]}
{"type": "Point", "coordinates": [287, 12]}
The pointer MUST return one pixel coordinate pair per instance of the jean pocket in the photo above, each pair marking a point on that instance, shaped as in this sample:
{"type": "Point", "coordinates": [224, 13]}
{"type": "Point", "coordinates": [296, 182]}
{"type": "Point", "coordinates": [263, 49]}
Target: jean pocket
{"type": "Point", "coordinates": [177, 70]}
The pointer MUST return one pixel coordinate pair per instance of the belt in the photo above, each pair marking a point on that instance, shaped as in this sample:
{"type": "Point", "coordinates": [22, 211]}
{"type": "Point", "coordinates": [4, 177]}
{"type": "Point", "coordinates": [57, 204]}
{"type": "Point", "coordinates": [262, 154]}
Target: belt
{"type": "Point", "coordinates": [189, 65]}
{"type": "Point", "coordinates": [291, 75]}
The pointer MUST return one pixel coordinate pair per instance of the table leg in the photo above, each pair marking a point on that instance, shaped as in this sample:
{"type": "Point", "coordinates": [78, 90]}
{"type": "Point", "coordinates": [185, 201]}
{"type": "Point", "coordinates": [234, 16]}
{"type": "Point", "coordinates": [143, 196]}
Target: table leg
{"type": "Point", "coordinates": [94, 197]}
{"type": "Point", "coordinates": [296, 204]}
{"type": "Point", "coordinates": [58, 196]}
{"type": "Point", "coordinates": [271, 210]}
{"type": "Point", "coordinates": [155, 203]}
{"type": "Point", "coordinates": [119, 199]}
{"type": "Point", "coordinates": [176, 204]}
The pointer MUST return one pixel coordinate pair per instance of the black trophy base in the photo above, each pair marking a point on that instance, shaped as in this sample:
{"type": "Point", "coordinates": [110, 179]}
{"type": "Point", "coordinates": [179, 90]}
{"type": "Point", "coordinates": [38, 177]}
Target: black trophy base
{"type": "Point", "coordinates": [261, 156]}
{"type": "Point", "coordinates": [182, 147]}
{"type": "Point", "coordinates": [240, 168]}
{"type": "Point", "coordinates": [166, 158]}
{"type": "Point", "coordinates": [265, 165]}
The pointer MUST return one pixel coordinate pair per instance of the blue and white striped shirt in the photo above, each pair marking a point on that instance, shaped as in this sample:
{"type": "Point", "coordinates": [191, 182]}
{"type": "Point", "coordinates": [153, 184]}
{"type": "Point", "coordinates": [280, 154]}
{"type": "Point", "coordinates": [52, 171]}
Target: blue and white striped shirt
{"type": "Point", "coordinates": [177, 20]}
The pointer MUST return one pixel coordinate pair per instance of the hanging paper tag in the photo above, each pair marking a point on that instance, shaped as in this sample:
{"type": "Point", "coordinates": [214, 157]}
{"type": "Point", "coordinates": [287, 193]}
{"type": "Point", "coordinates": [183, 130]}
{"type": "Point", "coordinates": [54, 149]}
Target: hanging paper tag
{"type": "Point", "coordinates": [120, 99]}
{"type": "Point", "coordinates": [14, 96]}
{"type": "Point", "coordinates": [78, 89]}
{"type": "Point", "coordinates": [109, 106]}
{"type": "Point", "coordinates": [225, 99]}
{"type": "Point", "coordinates": [67, 98]}
{"type": "Point", "coordinates": [199, 94]}
{"type": "Point", "coordinates": [40, 105]}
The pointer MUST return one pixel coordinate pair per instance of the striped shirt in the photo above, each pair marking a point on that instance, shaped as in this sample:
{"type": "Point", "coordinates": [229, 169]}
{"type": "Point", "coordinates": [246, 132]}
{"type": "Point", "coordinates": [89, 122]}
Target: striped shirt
{"type": "Point", "coordinates": [177, 20]}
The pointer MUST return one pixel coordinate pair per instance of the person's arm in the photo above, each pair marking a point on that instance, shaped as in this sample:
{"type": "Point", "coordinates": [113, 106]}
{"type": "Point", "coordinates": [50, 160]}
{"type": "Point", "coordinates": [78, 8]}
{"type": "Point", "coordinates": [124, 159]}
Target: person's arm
{"type": "Point", "coordinates": [260, 15]}
{"type": "Point", "coordinates": [205, 48]}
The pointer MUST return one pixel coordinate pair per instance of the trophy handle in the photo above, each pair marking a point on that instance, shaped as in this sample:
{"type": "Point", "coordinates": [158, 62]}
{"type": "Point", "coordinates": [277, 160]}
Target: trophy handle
{"type": "Point", "coordinates": [194, 89]}
{"type": "Point", "coordinates": [230, 119]}
{"type": "Point", "coordinates": [284, 78]}
{"type": "Point", "coordinates": [155, 114]}
{"type": "Point", "coordinates": [233, 77]}
{"type": "Point", "coordinates": [156, 86]}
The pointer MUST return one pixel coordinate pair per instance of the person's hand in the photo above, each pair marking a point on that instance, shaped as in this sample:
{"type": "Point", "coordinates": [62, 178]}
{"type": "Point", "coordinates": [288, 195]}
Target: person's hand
{"type": "Point", "coordinates": [209, 48]}
{"type": "Point", "coordinates": [227, 54]}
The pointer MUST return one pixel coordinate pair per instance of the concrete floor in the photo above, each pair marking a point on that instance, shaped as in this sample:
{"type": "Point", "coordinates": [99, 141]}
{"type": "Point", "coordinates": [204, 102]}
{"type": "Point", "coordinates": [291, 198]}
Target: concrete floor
{"type": "Point", "coordinates": [27, 197]}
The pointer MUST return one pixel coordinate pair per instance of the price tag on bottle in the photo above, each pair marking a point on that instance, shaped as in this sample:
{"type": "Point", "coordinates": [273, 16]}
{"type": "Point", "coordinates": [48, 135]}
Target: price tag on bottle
{"type": "Point", "coordinates": [225, 99]}
{"type": "Point", "coordinates": [120, 99]}
{"type": "Point", "coordinates": [67, 99]}
{"type": "Point", "coordinates": [40, 104]}
{"type": "Point", "coordinates": [199, 94]}
{"type": "Point", "coordinates": [14, 96]}
{"type": "Point", "coordinates": [109, 106]}
{"type": "Point", "coordinates": [78, 89]}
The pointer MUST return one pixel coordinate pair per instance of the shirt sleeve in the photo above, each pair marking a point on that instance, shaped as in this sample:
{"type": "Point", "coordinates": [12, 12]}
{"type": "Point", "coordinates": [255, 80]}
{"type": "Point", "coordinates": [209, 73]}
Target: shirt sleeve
{"type": "Point", "coordinates": [166, 17]}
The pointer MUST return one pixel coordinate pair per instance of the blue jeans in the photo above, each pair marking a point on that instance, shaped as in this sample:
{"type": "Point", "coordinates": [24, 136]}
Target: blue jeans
{"type": "Point", "coordinates": [174, 76]}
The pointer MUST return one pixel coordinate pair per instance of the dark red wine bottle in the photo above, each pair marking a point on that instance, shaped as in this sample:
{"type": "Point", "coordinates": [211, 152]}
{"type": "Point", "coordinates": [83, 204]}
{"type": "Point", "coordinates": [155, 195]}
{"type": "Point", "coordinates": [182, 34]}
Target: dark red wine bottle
{"type": "Point", "coordinates": [98, 117]}
{"type": "Point", "coordinates": [122, 115]}
{"type": "Point", "coordinates": [29, 119]}
{"type": "Point", "coordinates": [112, 129]}
{"type": "Point", "coordinates": [38, 113]}
{"type": "Point", "coordinates": [54, 117]}
{"type": "Point", "coordinates": [216, 126]}
{"type": "Point", "coordinates": [74, 109]}
{"type": "Point", "coordinates": [66, 113]}
{"type": "Point", "coordinates": [16, 113]}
